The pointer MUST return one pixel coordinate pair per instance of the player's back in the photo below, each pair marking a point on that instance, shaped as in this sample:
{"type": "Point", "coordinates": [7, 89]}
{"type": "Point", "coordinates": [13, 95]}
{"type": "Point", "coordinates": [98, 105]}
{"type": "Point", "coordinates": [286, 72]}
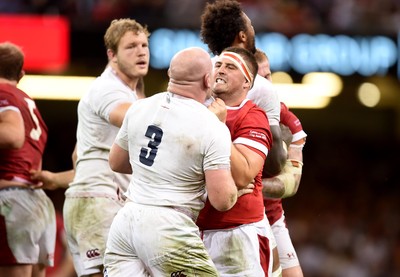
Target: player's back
{"type": "Point", "coordinates": [172, 140]}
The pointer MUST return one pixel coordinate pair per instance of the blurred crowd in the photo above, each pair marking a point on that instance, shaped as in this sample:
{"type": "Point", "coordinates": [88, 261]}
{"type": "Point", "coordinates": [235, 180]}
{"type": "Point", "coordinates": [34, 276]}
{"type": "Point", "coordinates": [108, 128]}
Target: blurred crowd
{"type": "Point", "coordinates": [345, 219]}
{"type": "Point", "coordinates": [286, 16]}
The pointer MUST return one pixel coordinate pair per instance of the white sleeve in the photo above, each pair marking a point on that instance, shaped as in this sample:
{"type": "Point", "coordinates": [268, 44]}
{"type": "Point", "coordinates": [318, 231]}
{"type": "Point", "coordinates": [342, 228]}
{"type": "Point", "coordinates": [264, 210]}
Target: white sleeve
{"type": "Point", "coordinates": [266, 97]}
{"type": "Point", "coordinates": [106, 96]}
{"type": "Point", "coordinates": [218, 151]}
{"type": "Point", "coordinates": [122, 136]}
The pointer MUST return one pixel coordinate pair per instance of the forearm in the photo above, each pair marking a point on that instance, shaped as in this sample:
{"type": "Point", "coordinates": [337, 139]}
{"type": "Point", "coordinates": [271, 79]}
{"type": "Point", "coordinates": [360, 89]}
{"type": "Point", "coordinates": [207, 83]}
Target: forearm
{"type": "Point", "coordinates": [273, 187]}
{"type": "Point", "coordinates": [53, 180]}
{"type": "Point", "coordinates": [282, 186]}
{"type": "Point", "coordinates": [286, 183]}
{"type": "Point", "coordinates": [62, 179]}
{"type": "Point", "coordinates": [277, 155]}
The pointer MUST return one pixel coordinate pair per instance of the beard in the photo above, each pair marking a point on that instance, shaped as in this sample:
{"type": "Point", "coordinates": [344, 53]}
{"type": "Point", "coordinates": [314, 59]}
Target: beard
{"type": "Point", "coordinates": [251, 44]}
{"type": "Point", "coordinates": [131, 70]}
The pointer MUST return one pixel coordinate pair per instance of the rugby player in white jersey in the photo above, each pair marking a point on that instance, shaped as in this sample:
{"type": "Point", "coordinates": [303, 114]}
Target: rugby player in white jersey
{"type": "Point", "coordinates": [93, 197]}
{"type": "Point", "coordinates": [176, 149]}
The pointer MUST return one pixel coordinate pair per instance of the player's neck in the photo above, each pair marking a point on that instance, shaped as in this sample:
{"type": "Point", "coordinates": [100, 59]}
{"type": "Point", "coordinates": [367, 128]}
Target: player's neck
{"type": "Point", "coordinates": [232, 99]}
{"type": "Point", "coordinates": [6, 81]}
{"type": "Point", "coordinates": [188, 91]}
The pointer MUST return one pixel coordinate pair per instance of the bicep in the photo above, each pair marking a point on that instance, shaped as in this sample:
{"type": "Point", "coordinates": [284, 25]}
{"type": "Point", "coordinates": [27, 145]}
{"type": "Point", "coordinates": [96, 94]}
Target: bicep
{"type": "Point", "coordinates": [251, 158]}
{"type": "Point", "coordinates": [119, 159]}
{"type": "Point", "coordinates": [12, 130]}
{"type": "Point", "coordinates": [221, 189]}
{"type": "Point", "coordinates": [245, 165]}
{"type": "Point", "coordinates": [216, 177]}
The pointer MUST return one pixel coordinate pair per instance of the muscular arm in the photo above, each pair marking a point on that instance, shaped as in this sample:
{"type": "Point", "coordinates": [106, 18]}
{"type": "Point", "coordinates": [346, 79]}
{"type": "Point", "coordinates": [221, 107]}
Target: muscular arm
{"type": "Point", "coordinates": [118, 113]}
{"type": "Point", "coordinates": [221, 189]}
{"type": "Point", "coordinates": [277, 156]}
{"type": "Point", "coordinates": [12, 130]}
{"type": "Point", "coordinates": [119, 159]}
{"type": "Point", "coordinates": [287, 182]}
{"type": "Point", "coordinates": [245, 165]}
{"type": "Point", "coordinates": [54, 180]}
{"type": "Point", "coordinates": [266, 97]}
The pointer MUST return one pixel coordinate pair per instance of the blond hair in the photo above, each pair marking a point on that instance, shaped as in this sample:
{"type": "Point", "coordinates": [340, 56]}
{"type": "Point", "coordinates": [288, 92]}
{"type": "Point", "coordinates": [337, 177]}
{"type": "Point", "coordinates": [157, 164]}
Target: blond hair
{"type": "Point", "coordinates": [117, 30]}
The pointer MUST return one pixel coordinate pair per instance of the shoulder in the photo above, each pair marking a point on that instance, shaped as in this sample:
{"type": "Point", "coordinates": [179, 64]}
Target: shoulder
{"type": "Point", "coordinates": [105, 92]}
{"type": "Point", "coordinates": [255, 109]}
{"type": "Point", "coordinates": [151, 102]}
{"type": "Point", "coordinates": [12, 96]}
{"type": "Point", "coordinates": [262, 84]}
{"type": "Point", "coordinates": [263, 93]}
{"type": "Point", "coordinates": [256, 114]}
{"type": "Point", "coordinates": [107, 85]}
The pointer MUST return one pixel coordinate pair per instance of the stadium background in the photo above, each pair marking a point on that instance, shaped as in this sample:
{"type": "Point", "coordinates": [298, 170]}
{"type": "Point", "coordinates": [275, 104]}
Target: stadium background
{"type": "Point", "coordinates": [345, 219]}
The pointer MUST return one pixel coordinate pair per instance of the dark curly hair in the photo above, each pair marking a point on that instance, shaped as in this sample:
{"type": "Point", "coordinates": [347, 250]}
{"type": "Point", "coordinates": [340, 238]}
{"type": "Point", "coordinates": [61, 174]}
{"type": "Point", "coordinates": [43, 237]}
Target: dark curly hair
{"type": "Point", "coordinates": [220, 23]}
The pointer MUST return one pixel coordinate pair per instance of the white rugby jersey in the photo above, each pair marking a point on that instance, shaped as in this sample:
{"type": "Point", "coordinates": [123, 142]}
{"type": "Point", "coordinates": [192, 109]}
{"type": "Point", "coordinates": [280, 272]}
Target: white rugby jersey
{"type": "Point", "coordinates": [172, 140]}
{"type": "Point", "coordinates": [266, 97]}
{"type": "Point", "coordinates": [95, 135]}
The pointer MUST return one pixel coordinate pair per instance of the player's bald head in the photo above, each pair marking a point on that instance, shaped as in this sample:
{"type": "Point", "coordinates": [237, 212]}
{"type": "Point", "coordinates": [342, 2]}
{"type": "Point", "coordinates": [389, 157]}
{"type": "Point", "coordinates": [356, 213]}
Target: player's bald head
{"type": "Point", "coordinates": [190, 64]}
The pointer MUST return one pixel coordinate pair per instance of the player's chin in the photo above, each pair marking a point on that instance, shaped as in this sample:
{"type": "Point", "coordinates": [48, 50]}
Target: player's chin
{"type": "Point", "coordinates": [218, 88]}
{"type": "Point", "coordinates": [141, 66]}
{"type": "Point", "coordinates": [142, 72]}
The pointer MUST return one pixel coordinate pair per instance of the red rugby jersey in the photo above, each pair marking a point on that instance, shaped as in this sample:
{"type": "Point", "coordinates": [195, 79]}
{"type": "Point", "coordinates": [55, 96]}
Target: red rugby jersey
{"type": "Point", "coordinates": [15, 164]}
{"type": "Point", "coordinates": [249, 126]}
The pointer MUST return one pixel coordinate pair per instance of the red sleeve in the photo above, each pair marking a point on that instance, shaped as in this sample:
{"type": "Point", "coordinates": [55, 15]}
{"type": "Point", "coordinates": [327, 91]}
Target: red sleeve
{"type": "Point", "coordinates": [255, 130]}
{"type": "Point", "coordinates": [290, 120]}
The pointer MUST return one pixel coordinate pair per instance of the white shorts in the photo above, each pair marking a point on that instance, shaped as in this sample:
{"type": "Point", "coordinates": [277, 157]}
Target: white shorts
{"type": "Point", "coordinates": [27, 227]}
{"type": "Point", "coordinates": [287, 253]}
{"type": "Point", "coordinates": [157, 241]}
{"type": "Point", "coordinates": [87, 221]}
{"type": "Point", "coordinates": [242, 251]}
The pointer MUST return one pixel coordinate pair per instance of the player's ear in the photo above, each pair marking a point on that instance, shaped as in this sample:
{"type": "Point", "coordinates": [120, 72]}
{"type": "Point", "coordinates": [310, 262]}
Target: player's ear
{"type": "Point", "coordinates": [242, 36]}
{"type": "Point", "coordinates": [21, 74]}
{"type": "Point", "coordinates": [207, 80]}
{"type": "Point", "coordinates": [246, 84]}
{"type": "Point", "coordinates": [110, 54]}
